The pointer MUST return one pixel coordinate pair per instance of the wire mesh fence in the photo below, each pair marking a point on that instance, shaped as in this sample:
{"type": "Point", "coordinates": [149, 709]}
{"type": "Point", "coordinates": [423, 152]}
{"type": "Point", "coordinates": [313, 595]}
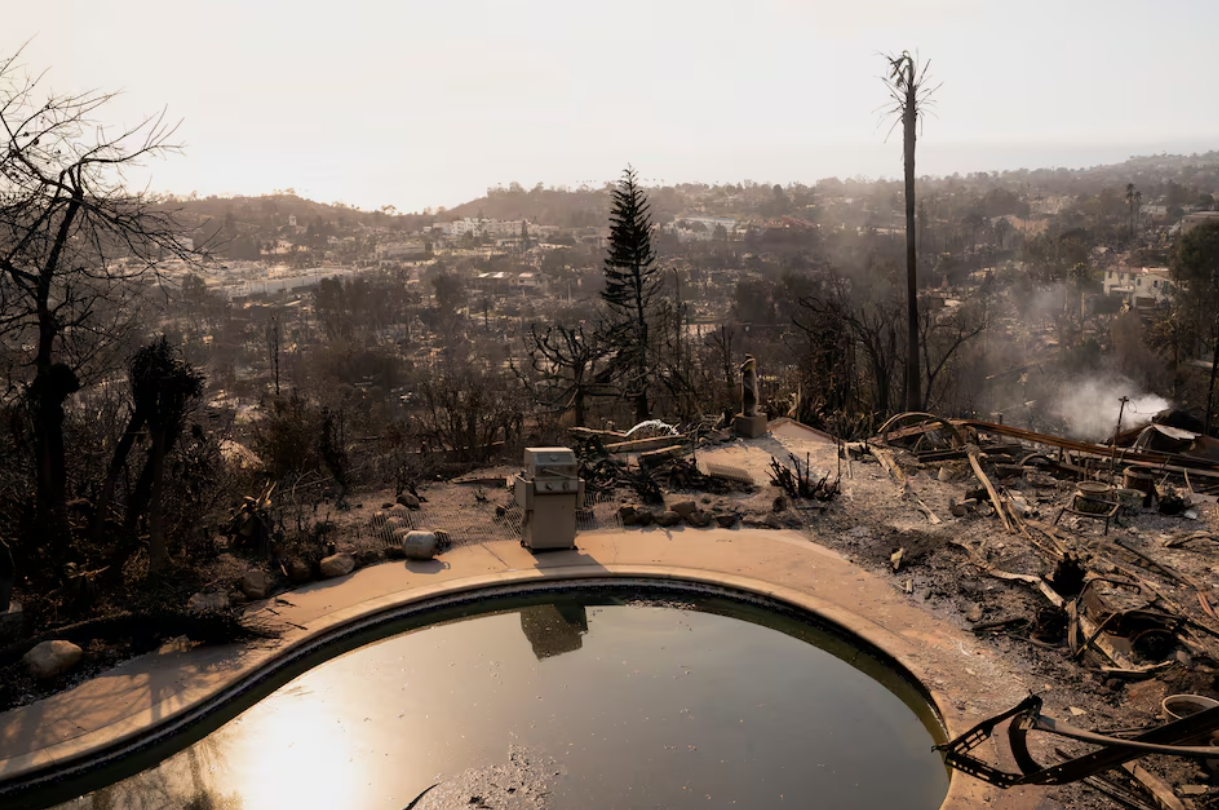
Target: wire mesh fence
{"type": "Point", "coordinates": [483, 518]}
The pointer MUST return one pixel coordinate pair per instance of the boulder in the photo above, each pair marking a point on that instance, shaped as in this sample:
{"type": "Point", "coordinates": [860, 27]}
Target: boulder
{"type": "Point", "coordinates": [369, 556]}
{"type": "Point", "coordinates": [420, 545]}
{"type": "Point", "coordinates": [726, 521]}
{"type": "Point", "coordinates": [780, 503]}
{"type": "Point", "coordinates": [393, 523]}
{"type": "Point", "coordinates": [207, 602]}
{"type": "Point", "coordinates": [772, 521]}
{"type": "Point", "coordinates": [644, 518]}
{"type": "Point", "coordinates": [684, 508]}
{"type": "Point", "coordinates": [337, 565]}
{"type": "Point", "coordinates": [408, 500]}
{"type": "Point", "coordinates": [255, 585]}
{"type": "Point", "coordinates": [51, 658]}
{"type": "Point", "coordinates": [699, 520]}
{"type": "Point", "coordinates": [628, 514]}
{"type": "Point", "coordinates": [299, 571]}
{"type": "Point", "coordinates": [668, 518]}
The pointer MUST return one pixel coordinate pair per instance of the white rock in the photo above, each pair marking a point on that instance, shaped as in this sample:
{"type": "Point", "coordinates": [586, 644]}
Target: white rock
{"type": "Point", "coordinates": [1019, 505]}
{"type": "Point", "coordinates": [51, 658]}
{"type": "Point", "coordinates": [205, 602]}
{"type": "Point", "coordinates": [254, 584]}
{"type": "Point", "coordinates": [420, 545]}
{"type": "Point", "coordinates": [337, 565]}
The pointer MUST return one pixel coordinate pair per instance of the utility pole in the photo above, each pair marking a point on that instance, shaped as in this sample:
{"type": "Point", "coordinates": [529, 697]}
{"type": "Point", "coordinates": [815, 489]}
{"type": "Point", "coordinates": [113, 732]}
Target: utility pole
{"type": "Point", "coordinates": [1113, 456]}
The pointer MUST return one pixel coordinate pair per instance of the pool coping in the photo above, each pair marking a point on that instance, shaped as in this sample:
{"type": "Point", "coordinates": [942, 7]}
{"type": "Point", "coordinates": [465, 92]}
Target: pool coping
{"type": "Point", "coordinates": [70, 758]}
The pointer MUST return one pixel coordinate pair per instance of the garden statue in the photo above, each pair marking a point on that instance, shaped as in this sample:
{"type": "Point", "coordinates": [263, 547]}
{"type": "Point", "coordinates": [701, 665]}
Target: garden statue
{"type": "Point", "coordinates": [749, 423]}
{"type": "Point", "coordinates": [749, 386]}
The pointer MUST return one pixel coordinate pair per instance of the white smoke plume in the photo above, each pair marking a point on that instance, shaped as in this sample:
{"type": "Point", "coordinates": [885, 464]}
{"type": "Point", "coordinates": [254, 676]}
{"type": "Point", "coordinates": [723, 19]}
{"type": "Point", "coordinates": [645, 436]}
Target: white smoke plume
{"type": "Point", "coordinates": [1090, 407]}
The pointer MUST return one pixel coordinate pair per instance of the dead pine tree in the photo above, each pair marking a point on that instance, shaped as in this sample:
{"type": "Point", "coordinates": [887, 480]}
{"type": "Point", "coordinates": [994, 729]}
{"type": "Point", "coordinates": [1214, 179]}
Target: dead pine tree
{"type": "Point", "coordinates": [907, 86]}
{"type": "Point", "coordinates": [78, 249]}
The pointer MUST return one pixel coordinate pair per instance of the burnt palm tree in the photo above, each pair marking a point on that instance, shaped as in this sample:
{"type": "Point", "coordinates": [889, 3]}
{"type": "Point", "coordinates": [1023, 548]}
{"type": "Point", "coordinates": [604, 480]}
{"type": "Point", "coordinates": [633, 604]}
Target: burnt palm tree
{"type": "Point", "coordinates": [907, 86]}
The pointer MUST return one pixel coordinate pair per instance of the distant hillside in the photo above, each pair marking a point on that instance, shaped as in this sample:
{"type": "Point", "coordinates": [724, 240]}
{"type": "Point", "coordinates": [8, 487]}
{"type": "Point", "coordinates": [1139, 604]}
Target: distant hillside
{"type": "Point", "coordinates": [584, 207]}
{"type": "Point", "coordinates": [273, 211]}
{"type": "Point", "coordinates": [1175, 179]}
{"type": "Point", "coordinates": [565, 208]}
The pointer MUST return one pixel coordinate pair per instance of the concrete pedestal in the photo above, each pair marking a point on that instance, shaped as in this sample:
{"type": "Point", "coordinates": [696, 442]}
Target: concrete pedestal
{"type": "Point", "coordinates": [750, 427]}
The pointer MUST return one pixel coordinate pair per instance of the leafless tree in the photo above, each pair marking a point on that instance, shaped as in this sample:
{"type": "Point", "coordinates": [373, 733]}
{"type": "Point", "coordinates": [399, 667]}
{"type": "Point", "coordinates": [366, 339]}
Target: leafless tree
{"type": "Point", "coordinates": [77, 248]}
{"type": "Point", "coordinates": [469, 411]}
{"type": "Point", "coordinates": [825, 357]}
{"type": "Point", "coordinates": [874, 327]}
{"type": "Point", "coordinates": [941, 337]}
{"type": "Point", "coordinates": [722, 364]}
{"type": "Point", "coordinates": [568, 362]}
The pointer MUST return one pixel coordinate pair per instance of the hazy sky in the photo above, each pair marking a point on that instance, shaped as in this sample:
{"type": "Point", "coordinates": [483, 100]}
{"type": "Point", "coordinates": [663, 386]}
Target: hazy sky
{"type": "Point", "coordinates": [428, 103]}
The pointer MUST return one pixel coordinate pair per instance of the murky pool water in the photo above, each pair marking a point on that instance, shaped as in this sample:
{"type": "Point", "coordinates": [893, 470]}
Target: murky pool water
{"type": "Point", "coordinates": [582, 700]}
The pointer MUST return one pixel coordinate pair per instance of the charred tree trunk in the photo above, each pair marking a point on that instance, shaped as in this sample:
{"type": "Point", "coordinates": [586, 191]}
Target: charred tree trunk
{"type": "Point", "coordinates": [158, 553]}
{"type": "Point", "coordinates": [1210, 390]}
{"type": "Point", "coordinates": [137, 504]}
{"type": "Point", "coordinates": [8, 575]}
{"type": "Point", "coordinates": [578, 396]}
{"type": "Point", "coordinates": [53, 384]}
{"type": "Point", "coordinates": [48, 393]}
{"type": "Point", "coordinates": [119, 460]}
{"type": "Point", "coordinates": [914, 396]}
{"type": "Point", "coordinates": [642, 411]}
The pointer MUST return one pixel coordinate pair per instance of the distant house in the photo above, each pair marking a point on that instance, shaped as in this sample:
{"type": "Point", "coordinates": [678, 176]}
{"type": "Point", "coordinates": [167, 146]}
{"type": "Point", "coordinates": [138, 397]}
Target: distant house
{"type": "Point", "coordinates": [702, 228]}
{"type": "Point", "coordinates": [1191, 221]}
{"type": "Point", "coordinates": [483, 227]}
{"type": "Point", "coordinates": [1141, 287]}
{"type": "Point", "coordinates": [492, 282]}
{"type": "Point", "coordinates": [528, 282]}
{"type": "Point", "coordinates": [401, 250]}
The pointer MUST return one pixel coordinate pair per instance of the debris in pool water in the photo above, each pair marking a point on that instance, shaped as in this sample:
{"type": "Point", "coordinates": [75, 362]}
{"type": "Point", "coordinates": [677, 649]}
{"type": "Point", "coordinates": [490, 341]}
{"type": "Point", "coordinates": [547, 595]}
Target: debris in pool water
{"type": "Point", "coordinates": [519, 783]}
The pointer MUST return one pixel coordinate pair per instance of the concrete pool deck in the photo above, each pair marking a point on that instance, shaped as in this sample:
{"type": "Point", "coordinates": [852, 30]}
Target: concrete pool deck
{"type": "Point", "coordinates": [130, 703]}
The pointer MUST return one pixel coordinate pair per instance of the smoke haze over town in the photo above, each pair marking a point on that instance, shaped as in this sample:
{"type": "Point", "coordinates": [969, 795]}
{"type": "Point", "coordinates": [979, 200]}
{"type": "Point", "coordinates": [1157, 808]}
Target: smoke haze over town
{"type": "Point", "coordinates": [420, 105]}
